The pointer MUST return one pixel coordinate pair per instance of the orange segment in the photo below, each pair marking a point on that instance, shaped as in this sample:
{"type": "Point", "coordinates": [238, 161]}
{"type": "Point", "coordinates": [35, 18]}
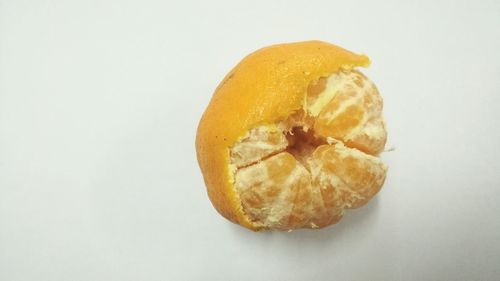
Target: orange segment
{"type": "Point", "coordinates": [257, 144]}
{"type": "Point", "coordinates": [268, 190]}
{"type": "Point", "coordinates": [350, 176]}
{"type": "Point", "coordinates": [302, 207]}
{"type": "Point", "coordinates": [326, 209]}
{"type": "Point", "coordinates": [371, 138]}
{"type": "Point", "coordinates": [339, 125]}
{"type": "Point", "coordinates": [315, 89]}
{"type": "Point", "coordinates": [354, 114]}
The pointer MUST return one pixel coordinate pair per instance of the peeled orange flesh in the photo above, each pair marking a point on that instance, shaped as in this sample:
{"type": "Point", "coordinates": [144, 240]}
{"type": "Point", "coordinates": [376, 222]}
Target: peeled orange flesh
{"type": "Point", "coordinates": [291, 136]}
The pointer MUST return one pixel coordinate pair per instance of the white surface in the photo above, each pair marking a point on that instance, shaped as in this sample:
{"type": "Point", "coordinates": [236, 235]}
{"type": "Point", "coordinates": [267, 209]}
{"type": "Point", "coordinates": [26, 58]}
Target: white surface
{"type": "Point", "coordinates": [99, 103]}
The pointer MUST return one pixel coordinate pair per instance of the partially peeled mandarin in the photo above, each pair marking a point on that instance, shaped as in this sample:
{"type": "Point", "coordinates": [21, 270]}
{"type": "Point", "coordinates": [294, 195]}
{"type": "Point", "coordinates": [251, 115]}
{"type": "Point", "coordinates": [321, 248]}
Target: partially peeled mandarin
{"type": "Point", "coordinates": [291, 137]}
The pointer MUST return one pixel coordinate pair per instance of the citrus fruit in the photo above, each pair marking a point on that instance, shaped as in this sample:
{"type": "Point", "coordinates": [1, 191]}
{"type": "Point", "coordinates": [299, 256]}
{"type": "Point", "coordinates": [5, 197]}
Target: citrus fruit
{"type": "Point", "coordinates": [291, 136]}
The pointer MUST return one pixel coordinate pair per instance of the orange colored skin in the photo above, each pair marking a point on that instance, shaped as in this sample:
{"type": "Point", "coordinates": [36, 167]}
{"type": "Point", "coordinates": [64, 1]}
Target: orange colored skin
{"type": "Point", "coordinates": [264, 88]}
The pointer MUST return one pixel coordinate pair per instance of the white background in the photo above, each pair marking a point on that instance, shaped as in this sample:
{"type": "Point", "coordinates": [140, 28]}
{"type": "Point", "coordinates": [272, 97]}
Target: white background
{"type": "Point", "coordinates": [99, 104]}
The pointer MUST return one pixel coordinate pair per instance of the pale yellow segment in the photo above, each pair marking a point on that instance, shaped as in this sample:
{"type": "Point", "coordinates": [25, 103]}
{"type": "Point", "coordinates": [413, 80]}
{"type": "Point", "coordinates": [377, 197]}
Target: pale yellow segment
{"type": "Point", "coordinates": [268, 189]}
{"type": "Point", "coordinates": [355, 176]}
{"type": "Point", "coordinates": [335, 83]}
{"type": "Point", "coordinates": [258, 143]}
{"type": "Point", "coordinates": [354, 114]}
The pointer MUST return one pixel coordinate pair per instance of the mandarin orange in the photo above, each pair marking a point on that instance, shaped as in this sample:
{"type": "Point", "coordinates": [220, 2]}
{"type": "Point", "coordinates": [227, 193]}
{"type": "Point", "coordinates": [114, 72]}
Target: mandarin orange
{"type": "Point", "coordinates": [291, 136]}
